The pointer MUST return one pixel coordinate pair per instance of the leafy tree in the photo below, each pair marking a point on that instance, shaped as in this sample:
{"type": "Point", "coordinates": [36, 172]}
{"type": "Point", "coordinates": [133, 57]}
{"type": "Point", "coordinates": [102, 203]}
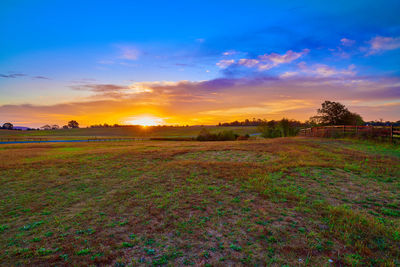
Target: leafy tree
{"type": "Point", "coordinates": [335, 113]}
{"type": "Point", "coordinates": [353, 119]}
{"type": "Point", "coordinates": [282, 128]}
{"type": "Point", "coordinates": [8, 126]}
{"type": "Point", "coordinates": [73, 124]}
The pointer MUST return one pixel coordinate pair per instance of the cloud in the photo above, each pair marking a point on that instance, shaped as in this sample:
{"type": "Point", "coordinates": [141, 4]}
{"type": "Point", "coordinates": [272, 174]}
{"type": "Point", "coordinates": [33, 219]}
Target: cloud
{"type": "Point", "coordinates": [224, 63]}
{"type": "Point", "coordinates": [113, 91]}
{"type": "Point", "coordinates": [12, 75]}
{"type": "Point", "coordinates": [248, 62]}
{"type": "Point", "coordinates": [269, 61]}
{"type": "Point", "coordinates": [229, 53]}
{"type": "Point", "coordinates": [381, 44]}
{"type": "Point", "coordinates": [128, 52]}
{"type": "Point", "coordinates": [99, 88]}
{"type": "Point", "coordinates": [347, 42]}
{"type": "Point", "coordinates": [289, 56]}
{"type": "Point", "coordinates": [322, 70]}
{"type": "Point", "coordinates": [288, 74]}
{"type": "Point", "coordinates": [41, 78]}
{"type": "Point", "coordinates": [18, 75]}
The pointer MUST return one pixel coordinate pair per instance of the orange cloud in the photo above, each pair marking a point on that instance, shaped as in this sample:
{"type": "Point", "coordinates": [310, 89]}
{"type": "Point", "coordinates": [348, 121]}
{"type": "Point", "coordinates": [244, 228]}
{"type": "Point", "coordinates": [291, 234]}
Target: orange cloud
{"type": "Point", "coordinates": [223, 99]}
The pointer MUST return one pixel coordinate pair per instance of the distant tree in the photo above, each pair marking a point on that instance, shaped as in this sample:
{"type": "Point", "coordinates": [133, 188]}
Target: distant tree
{"type": "Point", "coordinates": [282, 128]}
{"type": "Point", "coordinates": [65, 127]}
{"type": "Point", "coordinates": [73, 124]}
{"type": "Point", "coordinates": [46, 127]}
{"type": "Point", "coordinates": [8, 126]}
{"type": "Point", "coordinates": [335, 113]}
{"type": "Point", "coordinates": [55, 127]}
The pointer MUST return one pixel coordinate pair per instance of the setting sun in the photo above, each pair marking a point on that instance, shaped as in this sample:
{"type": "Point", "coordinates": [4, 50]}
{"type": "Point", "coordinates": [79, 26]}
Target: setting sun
{"type": "Point", "coordinates": [145, 121]}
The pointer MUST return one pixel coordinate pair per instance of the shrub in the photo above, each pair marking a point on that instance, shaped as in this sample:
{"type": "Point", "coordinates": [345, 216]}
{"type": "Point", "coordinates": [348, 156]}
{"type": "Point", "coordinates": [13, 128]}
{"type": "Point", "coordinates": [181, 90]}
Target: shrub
{"type": "Point", "coordinates": [205, 135]}
{"type": "Point", "coordinates": [244, 137]}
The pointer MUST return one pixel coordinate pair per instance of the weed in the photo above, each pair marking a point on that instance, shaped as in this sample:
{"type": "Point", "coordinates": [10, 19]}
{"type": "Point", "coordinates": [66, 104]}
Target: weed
{"type": "Point", "coordinates": [82, 252]}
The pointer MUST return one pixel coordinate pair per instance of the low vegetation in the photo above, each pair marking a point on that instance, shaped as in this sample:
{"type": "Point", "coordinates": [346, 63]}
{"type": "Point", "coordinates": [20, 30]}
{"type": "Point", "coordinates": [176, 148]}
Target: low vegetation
{"type": "Point", "coordinates": [128, 131]}
{"type": "Point", "coordinates": [283, 201]}
{"type": "Point", "coordinates": [206, 135]}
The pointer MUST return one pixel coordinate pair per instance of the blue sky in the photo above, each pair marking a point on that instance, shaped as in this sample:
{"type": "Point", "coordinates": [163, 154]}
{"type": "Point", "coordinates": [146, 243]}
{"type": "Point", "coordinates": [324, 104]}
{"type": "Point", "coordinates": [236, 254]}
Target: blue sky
{"type": "Point", "coordinates": [196, 61]}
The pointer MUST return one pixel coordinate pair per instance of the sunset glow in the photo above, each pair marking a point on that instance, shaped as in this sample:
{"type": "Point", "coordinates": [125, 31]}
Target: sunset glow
{"type": "Point", "coordinates": [146, 121]}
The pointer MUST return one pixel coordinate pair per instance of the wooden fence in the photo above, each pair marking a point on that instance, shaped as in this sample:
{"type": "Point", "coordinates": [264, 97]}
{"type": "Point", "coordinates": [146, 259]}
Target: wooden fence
{"type": "Point", "coordinates": [384, 132]}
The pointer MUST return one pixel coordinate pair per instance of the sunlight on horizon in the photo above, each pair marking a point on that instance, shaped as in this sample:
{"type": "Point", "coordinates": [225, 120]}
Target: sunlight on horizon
{"type": "Point", "coordinates": [145, 121]}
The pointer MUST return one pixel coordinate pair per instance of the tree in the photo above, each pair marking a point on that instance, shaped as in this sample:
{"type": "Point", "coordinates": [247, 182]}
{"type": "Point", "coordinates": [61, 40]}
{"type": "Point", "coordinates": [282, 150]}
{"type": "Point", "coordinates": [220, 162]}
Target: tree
{"type": "Point", "coordinates": [353, 119]}
{"type": "Point", "coordinates": [46, 127]}
{"type": "Point", "coordinates": [73, 124]}
{"type": "Point", "coordinates": [8, 126]}
{"type": "Point", "coordinates": [334, 113]}
{"type": "Point", "coordinates": [282, 128]}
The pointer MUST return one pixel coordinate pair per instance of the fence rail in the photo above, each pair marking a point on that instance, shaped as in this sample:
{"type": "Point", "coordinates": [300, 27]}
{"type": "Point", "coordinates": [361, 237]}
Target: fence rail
{"type": "Point", "coordinates": [389, 132]}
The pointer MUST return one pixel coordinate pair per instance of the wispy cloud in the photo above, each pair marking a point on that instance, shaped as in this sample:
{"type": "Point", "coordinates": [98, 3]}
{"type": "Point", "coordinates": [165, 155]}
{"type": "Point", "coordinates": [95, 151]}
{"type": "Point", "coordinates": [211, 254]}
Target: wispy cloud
{"type": "Point", "coordinates": [322, 70]}
{"type": "Point", "coordinates": [99, 88]}
{"type": "Point", "coordinates": [266, 61]}
{"type": "Point", "coordinates": [12, 75]}
{"type": "Point", "coordinates": [224, 63]}
{"type": "Point", "coordinates": [347, 42]}
{"type": "Point", "coordinates": [40, 78]}
{"type": "Point", "coordinates": [128, 52]}
{"type": "Point", "coordinates": [113, 91]}
{"type": "Point", "coordinates": [229, 53]}
{"type": "Point", "coordinates": [380, 44]}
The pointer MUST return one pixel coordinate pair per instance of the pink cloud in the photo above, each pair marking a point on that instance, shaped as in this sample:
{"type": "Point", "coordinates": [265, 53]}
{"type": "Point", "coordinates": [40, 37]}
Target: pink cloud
{"type": "Point", "coordinates": [347, 42]}
{"type": "Point", "coordinates": [380, 44]}
{"type": "Point", "coordinates": [288, 57]}
{"type": "Point", "coordinates": [129, 53]}
{"type": "Point", "coordinates": [229, 53]}
{"type": "Point", "coordinates": [248, 62]}
{"type": "Point", "coordinates": [268, 61]}
{"type": "Point", "coordinates": [322, 70]}
{"type": "Point", "coordinates": [225, 63]}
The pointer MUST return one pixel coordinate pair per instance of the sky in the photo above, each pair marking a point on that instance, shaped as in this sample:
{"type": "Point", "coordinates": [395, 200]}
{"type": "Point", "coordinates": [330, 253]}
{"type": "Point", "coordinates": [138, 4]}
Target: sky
{"type": "Point", "coordinates": [196, 62]}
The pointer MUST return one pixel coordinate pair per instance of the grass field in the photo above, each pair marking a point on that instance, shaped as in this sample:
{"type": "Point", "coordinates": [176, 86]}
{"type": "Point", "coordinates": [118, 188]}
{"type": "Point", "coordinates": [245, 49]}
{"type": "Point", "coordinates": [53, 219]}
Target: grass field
{"type": "Point", "coordinates": [134, 131]}
{"type": "Point", "coordinates": [286, 201]}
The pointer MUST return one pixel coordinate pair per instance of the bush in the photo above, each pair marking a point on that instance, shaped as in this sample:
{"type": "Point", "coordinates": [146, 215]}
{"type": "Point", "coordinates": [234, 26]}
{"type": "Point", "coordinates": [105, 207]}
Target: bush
{"type": "Point", "coordinates": [205, 135]}
{"type": "Point", "coordinates": [243, 137]}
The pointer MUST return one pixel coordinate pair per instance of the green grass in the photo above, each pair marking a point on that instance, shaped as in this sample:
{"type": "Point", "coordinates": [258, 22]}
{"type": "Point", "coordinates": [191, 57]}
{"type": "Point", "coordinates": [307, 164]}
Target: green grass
{"type": "Point", "coordinates": [281, 202]}
{"type": "Point", "coordinates": [134, 131]}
